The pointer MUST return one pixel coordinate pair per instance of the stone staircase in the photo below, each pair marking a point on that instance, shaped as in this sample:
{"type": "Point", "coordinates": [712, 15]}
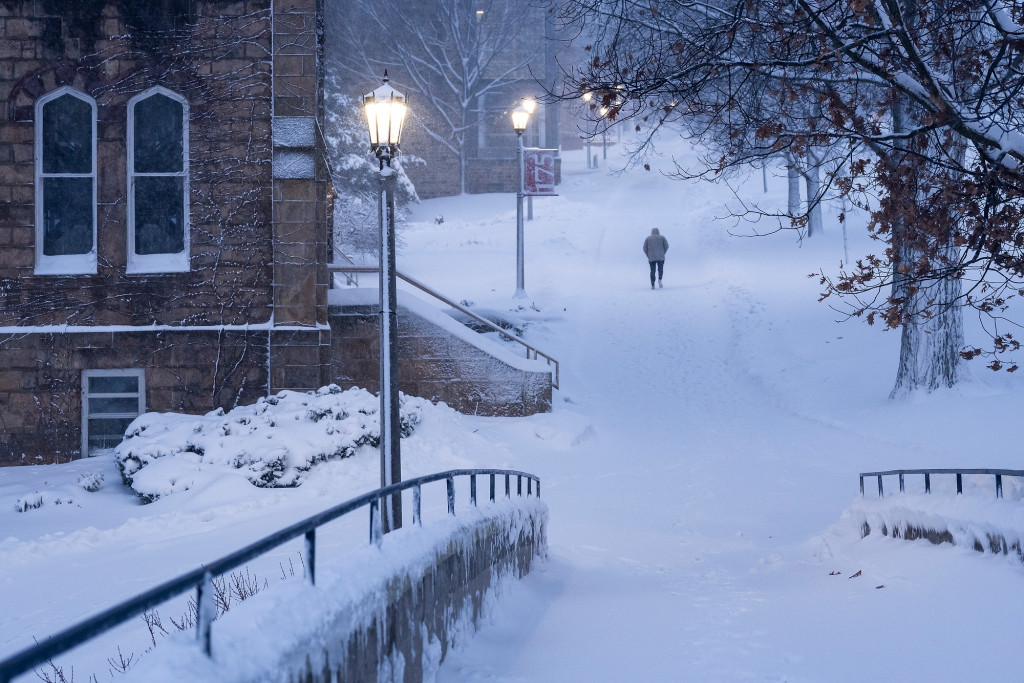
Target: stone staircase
{"type": "Point", "coordinates": [441, 356]}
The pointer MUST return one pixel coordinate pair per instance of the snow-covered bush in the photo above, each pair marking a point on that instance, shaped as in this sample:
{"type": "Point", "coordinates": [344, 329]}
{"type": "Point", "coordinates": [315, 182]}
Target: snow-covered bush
{"type": "Point", "coordinates": [91, 481]}
{"type": "Point", "coordinates": [273, 442]}
{"type": "Point", "coordinates": [36, 500]}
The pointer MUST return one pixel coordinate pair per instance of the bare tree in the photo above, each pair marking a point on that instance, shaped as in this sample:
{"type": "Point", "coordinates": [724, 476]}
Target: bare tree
{"type": "Point", "coordinates": [919, 103]}
{"type": "Point", "coordinates": [448, 54]}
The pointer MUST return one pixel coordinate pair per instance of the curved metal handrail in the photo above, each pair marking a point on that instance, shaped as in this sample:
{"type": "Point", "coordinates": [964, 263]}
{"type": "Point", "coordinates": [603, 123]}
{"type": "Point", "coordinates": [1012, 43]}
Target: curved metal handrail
{"type": "Point", "coordinates": [959, 472]}
{"type": "Point", "coordinates": [201, 579]}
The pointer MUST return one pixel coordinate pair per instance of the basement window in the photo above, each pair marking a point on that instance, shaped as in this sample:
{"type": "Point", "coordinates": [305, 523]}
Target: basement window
{"type": "Point", "coordinates": [111, 399]}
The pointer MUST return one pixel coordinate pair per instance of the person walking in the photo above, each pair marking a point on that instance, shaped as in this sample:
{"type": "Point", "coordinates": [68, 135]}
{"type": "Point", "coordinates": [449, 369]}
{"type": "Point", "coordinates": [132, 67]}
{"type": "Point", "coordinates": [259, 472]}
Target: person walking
{"type": "Point", "coordinates": [655, 247]}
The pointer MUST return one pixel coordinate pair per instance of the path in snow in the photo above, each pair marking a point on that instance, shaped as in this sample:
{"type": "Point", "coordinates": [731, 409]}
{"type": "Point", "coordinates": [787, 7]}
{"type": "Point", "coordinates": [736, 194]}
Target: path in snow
{"type": "Point", "coordinates": [680, 527]}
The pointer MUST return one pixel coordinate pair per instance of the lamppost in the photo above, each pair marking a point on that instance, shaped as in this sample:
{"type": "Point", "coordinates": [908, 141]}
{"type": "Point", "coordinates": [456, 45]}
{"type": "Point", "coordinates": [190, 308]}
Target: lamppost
{"type": "Point", "coordinates": [385, 114]}
{"type": "Point", "coordinates": [604, 131]}
{"type": "Point", "coordinates": [520, 117]}
{"type": "Point", "coordinates": [530, 105]}
{"type": "Point", "coordinates": [587, 96]}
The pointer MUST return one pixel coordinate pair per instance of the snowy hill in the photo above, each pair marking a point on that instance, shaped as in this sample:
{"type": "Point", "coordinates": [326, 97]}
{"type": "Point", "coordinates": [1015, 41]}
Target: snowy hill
{"type": "Point", "coordinates": [698, 463]}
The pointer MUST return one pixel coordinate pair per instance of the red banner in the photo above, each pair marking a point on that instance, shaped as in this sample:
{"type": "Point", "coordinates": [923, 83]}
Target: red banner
{"type": "Point", "coordinates": [539, 172]}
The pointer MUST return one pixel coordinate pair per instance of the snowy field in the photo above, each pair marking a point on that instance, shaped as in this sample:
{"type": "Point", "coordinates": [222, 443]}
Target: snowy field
{"type": "Point", "coordinates": [700, 464]}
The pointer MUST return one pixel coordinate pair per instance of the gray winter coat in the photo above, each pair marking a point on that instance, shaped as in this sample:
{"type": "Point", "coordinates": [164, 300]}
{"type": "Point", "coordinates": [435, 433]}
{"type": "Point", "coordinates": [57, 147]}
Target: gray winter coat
{"type": "Point", "coordinates": [655, 246]}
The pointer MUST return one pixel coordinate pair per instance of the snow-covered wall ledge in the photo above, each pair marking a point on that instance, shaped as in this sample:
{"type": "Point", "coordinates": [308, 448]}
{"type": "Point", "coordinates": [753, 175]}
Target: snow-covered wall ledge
{"type": "Point", "coordinates": [982, 524]}
{"type": "Point", "coordinates": [380, 614]}
{"type": "Point", "coordinates": [439, 359]}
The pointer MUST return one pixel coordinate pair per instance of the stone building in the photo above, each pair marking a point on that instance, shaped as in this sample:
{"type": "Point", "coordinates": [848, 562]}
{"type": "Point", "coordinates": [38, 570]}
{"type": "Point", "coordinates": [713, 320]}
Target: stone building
{"type": "Point", "coordinates": [165, 235]}
{"type": "Point", "coordinates": [163, 230]}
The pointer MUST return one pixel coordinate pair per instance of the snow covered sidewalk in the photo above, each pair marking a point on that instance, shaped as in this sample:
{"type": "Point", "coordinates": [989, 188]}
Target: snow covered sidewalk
{"type": "Point", "coordinates": [696, 530]}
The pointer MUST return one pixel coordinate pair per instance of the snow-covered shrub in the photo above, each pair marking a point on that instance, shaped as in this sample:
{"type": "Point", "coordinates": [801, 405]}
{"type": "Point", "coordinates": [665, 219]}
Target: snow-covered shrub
{"type": "Point", "coordinates": [272, 442]}
{"type": "Point", "coordinates": [36, 500]}
{"type": "Point", "coordinates": [91, 481]}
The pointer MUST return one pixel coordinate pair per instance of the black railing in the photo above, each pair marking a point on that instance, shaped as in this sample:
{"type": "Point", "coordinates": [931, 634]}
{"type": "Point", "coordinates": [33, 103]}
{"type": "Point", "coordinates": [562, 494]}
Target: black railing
{"type": "Point", "coordinates": [998, 474]}
{"type": "Point", "coordinates": [201, 580]}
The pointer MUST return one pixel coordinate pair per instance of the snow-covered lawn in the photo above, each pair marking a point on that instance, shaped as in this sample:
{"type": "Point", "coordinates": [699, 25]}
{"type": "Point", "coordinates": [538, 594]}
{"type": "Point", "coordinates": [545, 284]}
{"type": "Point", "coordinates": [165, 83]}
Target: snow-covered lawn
{"type": "Point", "coordinates": [700, 465]}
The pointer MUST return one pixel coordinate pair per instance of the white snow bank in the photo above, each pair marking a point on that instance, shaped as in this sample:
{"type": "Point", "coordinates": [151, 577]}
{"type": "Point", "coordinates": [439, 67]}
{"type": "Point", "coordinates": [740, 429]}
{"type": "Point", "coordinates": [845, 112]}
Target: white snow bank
{"type": "Point", "coordinates": [272, 443]}
{"type": "Point", "coordinates": [969, 521]}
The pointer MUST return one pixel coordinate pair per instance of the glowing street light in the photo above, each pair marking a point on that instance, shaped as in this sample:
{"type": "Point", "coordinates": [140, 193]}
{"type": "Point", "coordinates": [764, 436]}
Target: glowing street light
{"type": "Point", "coordinates": [385, 115]}
{"type": "Point", "coordinates": [520, 118]}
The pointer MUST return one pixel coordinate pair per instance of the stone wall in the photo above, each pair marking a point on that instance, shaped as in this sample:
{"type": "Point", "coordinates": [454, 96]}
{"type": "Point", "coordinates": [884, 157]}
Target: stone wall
{"type": "Point", "coordinates": [992, 525]}
{"type": "Point", "coordinates": [428, 608]}
{"type": "Point", "coordinates": [300, 359]}
{"type": "Point", "coordinates": [438, 176]}
{"type": "Point", "coordinates": [387, 613]}
{"type": "Point", "coordinates": [433, 364]}
{"type": "Point", "coordinates": [188, 371]}
{"type": "Point", "coordinates": [497, 175]}
{"type": "Point", "coordinates": [302, 231]}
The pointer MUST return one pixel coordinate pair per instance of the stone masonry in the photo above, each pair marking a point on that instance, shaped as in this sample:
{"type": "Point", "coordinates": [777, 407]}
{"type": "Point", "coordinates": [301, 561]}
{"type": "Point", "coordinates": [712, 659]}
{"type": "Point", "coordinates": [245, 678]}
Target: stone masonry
{"type": "Point", "coordinates": [249, 314]}
{"type": "Point", "coordinates": [433, 364]}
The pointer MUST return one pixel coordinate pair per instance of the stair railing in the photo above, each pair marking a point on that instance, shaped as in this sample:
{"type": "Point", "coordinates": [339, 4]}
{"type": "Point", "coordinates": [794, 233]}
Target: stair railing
{"type": "Point", "coordinates": [532, 352]}
{"type": "Point", "coordinates": [201, 579]}
{"type": "Point", "coordinates": [998, 474]}
{"type": "Point", "coordinates": [351, 276]}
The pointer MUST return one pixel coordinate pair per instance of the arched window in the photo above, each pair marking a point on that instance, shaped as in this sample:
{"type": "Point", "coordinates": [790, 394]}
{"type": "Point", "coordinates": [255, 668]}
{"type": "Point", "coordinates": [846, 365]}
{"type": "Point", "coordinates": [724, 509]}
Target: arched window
{"type": "Point", "coordinates": [158, 239]}
{"type": "Point", "coordinates": [65, 160]}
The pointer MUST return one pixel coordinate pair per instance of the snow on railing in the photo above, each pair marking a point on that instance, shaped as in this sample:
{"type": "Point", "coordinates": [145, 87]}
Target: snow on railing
{"type": "Point", "coordinates": [351, 277]}
{"type": "Point", "coordinates": [201, 580]}
{"type": "Point", "coordinates": [998, 474]}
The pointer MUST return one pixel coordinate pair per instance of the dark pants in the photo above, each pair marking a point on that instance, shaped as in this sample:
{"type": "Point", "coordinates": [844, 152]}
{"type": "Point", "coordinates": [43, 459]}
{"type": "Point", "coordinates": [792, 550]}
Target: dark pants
{"type": "Point", "coordinates": [660, 267]}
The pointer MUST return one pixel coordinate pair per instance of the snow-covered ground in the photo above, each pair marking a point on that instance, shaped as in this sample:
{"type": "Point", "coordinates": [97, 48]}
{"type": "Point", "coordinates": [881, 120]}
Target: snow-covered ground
{"type": "Point", "coordinates": [698, 463]}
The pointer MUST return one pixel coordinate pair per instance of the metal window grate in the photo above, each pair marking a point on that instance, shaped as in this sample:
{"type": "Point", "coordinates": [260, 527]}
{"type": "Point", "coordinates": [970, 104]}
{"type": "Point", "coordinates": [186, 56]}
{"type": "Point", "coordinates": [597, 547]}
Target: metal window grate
{"type": "Point", "coordinates": [111, 399]}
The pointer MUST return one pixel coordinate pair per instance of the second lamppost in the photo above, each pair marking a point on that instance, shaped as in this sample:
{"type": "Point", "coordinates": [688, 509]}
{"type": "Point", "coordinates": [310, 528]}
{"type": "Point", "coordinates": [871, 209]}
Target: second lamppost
{"type": "Point", "coordinates": [587, 96]}
{"type": "Point", "coordinates": [520, 117]}
{"type": "Point", "coordinates": [385, 114]}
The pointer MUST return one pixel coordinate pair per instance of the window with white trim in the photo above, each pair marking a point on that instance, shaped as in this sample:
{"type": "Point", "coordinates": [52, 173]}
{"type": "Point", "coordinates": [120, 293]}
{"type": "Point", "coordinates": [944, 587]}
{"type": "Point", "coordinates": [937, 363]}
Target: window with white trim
{"type": "Point", "coordinates": [111, 399]}
{"type": "Point", "coordinates": [65, 161]}
{"type": "Point", "coordinates": [158, 239]}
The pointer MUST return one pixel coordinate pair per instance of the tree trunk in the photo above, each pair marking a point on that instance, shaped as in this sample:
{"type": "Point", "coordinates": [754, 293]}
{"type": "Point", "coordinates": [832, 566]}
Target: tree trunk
{"type": "Point", "coordinates": [932, 330]}
{"type": "Point", "coordinates": [930, 345]}
{"type": "Point", "coordinates": [813, 180]}
{"type": "Point", "coordinates": [793, 177]}
{"type": "Point", "coordinates": [462, 169]}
